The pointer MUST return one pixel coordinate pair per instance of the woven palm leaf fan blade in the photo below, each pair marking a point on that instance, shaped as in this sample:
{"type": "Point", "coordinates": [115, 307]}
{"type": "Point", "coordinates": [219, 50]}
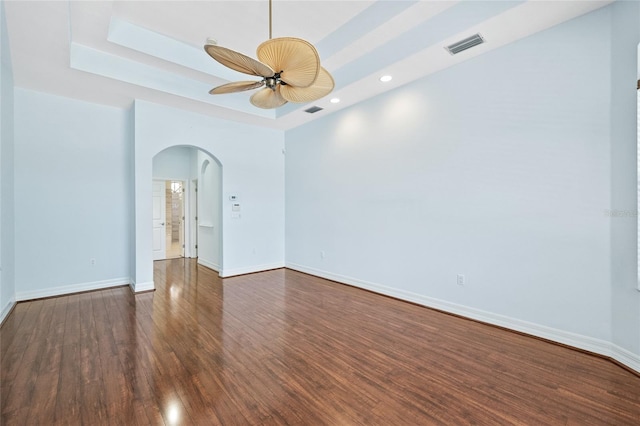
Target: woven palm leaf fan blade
{"type": "Point", "coordinates": [268, 98]}
{"type": "Point", "coordinates": [237, 86]}
{"type": "Point", "coordinates": [295, 60]}
{"type": "Point", "coordinates": [323, 85]}
{"type": "Point", "coordinates": [237, 61]}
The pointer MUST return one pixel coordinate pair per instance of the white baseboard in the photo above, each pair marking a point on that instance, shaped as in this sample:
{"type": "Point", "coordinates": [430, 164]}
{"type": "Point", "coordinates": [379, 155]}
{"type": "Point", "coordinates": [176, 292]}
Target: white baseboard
{"type": "Point", "coordinates": [6, 309]}
{"type": "Point", "coordinates": [598, 346]}
{"type": "Point", "coordinates": [625, 357]}
{"type": "Point", "coordinates": [68, 289]}
{"type": "Point", "coordinates": [209, 265]}
{"type": "Point", "coordinates": [140, 287]}
{"type": "Point", "coordinates": [225, 273]}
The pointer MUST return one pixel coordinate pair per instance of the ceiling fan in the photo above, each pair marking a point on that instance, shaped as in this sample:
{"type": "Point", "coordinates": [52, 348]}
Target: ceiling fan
{"type": "Point", "coordinates": [289, 67]}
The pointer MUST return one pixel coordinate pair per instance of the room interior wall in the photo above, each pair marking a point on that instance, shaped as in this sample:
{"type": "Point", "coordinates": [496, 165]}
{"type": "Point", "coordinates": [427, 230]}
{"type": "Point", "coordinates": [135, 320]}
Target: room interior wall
{"type": "Point", "coordinates": [7, 217]}
{"type": "Point", "coordinates": [72, 191]}
{"type": "Point", "coordinates": [498, 169]}
{"type": "Point", "coordinates": [130, 115]}
{"type": "Point", "coordinates": [252, 166]}
{"type": "Point", "coordinates": [173, 163]}
{"type": "Point", "coordinates": [624, 178]}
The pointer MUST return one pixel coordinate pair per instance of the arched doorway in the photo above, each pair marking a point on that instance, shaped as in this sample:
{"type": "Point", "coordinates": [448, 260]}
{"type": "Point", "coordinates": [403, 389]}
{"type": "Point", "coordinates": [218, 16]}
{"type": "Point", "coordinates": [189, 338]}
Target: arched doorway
{"type": "Point", "coordinates": [187, 181]}
{"type": "Point", "coordinates": [199, 173]}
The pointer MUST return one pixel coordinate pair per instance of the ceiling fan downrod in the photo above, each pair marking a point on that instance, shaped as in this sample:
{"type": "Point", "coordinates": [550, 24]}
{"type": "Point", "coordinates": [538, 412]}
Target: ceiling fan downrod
{"type": "Point", "coordinates": [270, 25]}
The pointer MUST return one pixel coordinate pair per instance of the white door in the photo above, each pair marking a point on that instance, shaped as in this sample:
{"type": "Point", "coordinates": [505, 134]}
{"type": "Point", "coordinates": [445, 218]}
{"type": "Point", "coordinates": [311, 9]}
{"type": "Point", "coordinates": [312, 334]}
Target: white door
{"type": "Point", "coordinates": [159, 220]}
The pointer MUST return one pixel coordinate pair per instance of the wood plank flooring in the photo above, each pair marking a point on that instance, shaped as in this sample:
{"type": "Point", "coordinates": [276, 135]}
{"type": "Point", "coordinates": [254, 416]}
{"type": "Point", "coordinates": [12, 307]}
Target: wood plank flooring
{"type": "Point", "coordinates": [281, 347]}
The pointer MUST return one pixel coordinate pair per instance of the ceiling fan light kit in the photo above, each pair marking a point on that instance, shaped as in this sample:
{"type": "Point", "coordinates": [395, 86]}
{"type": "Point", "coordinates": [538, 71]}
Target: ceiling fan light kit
{"type": "Point", "coordinates": [289, 67]}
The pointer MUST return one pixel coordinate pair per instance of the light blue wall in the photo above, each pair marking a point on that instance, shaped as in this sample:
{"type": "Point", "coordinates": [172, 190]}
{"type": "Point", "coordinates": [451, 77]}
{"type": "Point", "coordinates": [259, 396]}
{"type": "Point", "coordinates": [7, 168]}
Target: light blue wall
{"type": "Point", "coordinates": [174, 163]}
{"type": "Point", "coordinates": [130, 120]}
{"type": "Point", "coordinates": [624, 231]}
{"type": "Point", "coordinates": [7, 259]}
{"type": "Point", "coordinates": [498, 169]}
{"type": "Point", "coordinates": [209, 211]}
{"type": "Point", "coordinates": [72, 193]}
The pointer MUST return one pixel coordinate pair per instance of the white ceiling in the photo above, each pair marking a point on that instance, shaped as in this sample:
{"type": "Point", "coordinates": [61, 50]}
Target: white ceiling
{"type": "Point", "coordinates": [112, 52]}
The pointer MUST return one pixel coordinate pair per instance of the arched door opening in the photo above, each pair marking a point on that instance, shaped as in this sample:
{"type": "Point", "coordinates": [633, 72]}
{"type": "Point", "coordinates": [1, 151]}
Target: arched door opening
{"type": "Point", "coordinates": [187, 203]}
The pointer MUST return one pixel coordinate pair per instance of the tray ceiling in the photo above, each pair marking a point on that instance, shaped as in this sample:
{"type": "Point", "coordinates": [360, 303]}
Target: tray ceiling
{"type": "Point", "coordinates": [116, 51]}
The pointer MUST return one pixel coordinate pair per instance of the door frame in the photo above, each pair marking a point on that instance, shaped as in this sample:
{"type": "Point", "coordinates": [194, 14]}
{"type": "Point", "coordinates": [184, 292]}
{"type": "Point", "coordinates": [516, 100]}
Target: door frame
{"type": "Point", "coordinates": [193, 218]}
{"type": "Point", "coordinates": [162, 253]}
{"type": "Point", "coordinates": [187, 223]}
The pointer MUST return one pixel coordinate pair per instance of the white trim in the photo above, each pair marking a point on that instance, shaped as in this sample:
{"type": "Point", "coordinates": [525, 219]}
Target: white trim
{"type": "Point", "coordinates": [140, 287]}
{"type": "Point", "coordinates": [187, 222]}
{"type": "Point", "coordinates": [73, 288]}
{"type": "Point", "coordinates": [7, 308]}
{"type": "Point", "coordinates": [601, 347]}
{"type": "Point", "coordinates": [250, 269]}
{"type": "Point", "coordinates": [625, 357]}
{"type": "Point", "coordinates": [209, 265]}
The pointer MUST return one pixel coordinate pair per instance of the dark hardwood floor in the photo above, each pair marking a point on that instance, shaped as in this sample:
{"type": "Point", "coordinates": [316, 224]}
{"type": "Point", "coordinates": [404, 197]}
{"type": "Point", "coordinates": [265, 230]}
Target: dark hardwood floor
{"type": "Point", "coordinates": [281, 347]}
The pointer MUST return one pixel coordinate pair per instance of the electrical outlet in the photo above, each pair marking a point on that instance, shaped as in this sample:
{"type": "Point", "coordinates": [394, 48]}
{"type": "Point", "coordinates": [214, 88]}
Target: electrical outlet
{"type": "Point", "coordinates": [92, 261]}
{"type": "Point", "coordinates": [461, 279]}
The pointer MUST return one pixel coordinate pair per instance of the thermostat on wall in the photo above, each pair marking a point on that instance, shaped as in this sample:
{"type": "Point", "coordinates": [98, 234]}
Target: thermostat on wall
{"type": "Point", "coordinates": [234, 198]}
{"type": "Point", "coordinates": [235, 207]}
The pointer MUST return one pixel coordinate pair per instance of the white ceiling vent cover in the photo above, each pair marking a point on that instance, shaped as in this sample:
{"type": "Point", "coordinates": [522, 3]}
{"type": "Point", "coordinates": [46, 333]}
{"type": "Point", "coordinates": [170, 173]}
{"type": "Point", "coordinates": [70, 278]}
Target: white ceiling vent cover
{"type": "Point", "coordinates": [465, 44]}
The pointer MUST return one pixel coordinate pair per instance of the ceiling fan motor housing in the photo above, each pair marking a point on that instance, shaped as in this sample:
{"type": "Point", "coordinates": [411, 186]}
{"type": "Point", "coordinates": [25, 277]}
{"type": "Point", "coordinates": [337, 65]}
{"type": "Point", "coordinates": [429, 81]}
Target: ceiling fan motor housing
{"type": "Point", "coordinates": [271, 82]}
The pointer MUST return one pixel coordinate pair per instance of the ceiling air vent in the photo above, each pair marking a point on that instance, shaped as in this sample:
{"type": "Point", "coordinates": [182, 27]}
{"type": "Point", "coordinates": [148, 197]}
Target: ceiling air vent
{"type": "Point", "coordinates": [313, 109]}
{"type": "Point", "coordinates": [465, 44]}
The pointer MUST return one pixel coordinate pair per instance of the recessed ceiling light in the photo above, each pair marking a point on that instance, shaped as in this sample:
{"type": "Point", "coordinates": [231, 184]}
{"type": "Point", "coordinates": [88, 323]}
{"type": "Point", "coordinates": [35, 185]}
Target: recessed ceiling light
{"type": "Point", "coordinates": [335, 100]}
{"type": "Point", "coordinates": [385, 78]}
